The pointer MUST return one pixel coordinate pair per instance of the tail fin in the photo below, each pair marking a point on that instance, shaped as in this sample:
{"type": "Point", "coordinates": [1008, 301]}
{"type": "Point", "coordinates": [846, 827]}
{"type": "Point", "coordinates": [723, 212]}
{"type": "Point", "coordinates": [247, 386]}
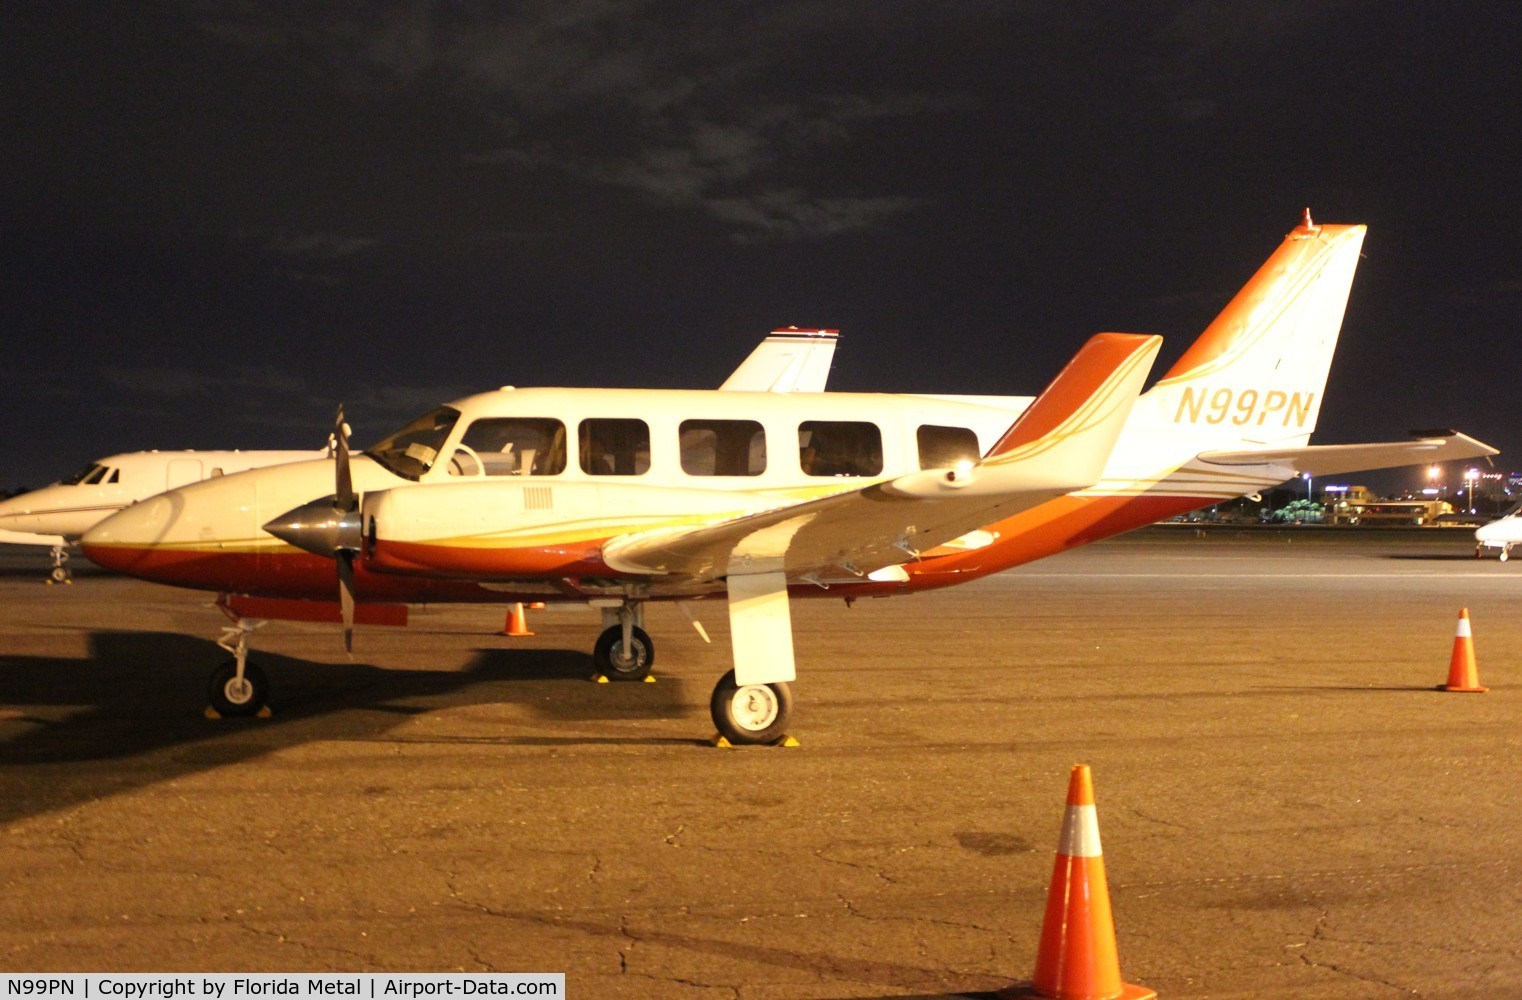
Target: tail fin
{"type": "Point", "coordinates": [788, 360]}
{"type": "Point", "coordinates": [1256, 376]}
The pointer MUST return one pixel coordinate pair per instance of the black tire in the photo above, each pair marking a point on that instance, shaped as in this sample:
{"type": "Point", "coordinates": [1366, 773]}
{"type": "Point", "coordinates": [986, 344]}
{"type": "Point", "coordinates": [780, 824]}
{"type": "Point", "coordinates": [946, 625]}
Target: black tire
{"type": "Point", "coordinates": [231, 702]}
{"type": "Point", "coordinates": [752, 715]}
{"type": "Point", "coordinates": [59, 574]}
{"type": "Point", "coordinates": [611, 660]}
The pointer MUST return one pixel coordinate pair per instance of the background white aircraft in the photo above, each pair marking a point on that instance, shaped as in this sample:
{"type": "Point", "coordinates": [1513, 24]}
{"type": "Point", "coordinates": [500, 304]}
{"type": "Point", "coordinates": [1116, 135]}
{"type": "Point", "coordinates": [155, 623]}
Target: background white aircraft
{"type": "Point", "coordinates": [1500, 534]}
{"type": "Point", "coordinates": [58, 515]}
{"type": "Point", "coordinates": [789, 359]}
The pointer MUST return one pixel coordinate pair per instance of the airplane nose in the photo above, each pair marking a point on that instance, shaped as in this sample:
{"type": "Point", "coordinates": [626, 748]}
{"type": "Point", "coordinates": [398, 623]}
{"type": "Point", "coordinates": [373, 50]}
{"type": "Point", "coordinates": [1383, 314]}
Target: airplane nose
{"type": "Point", "coordinates": [318, 527]}
{"type": "Point", "coordinates": [121, 541]}
{"type": "Point", "coordinates": [16, 516]}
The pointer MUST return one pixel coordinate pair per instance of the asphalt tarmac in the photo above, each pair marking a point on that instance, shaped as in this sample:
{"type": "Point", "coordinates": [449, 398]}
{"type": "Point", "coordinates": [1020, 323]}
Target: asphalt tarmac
{"type": "Point", "coordinates": [1288, 807]}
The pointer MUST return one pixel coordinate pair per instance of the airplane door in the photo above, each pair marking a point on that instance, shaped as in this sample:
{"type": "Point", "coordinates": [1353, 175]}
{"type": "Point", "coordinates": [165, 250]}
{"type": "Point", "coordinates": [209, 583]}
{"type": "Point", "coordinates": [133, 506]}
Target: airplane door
{"type": "Point", "coordinates": [182, 471]}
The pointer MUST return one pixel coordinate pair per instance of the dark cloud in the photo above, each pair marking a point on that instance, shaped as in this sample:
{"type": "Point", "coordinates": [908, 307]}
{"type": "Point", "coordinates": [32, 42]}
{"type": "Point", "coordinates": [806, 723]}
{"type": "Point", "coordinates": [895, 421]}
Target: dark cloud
{"type": "Point", "coordinates": [224, 218]}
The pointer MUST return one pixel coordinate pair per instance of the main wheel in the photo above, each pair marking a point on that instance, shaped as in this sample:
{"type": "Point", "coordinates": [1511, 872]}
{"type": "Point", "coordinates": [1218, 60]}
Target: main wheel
{"type": "Point", "coordinates": [231, 698]}
{"type": "Point", "coordinates": [619, 664]}
{"type": "Point", "coordinates": [752, 714]}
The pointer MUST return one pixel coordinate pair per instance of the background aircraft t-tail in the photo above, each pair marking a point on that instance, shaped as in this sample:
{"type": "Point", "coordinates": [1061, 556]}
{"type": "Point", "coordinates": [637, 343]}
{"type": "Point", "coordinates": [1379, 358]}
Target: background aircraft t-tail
{"type": "Point", "coordinates": [613, 498]}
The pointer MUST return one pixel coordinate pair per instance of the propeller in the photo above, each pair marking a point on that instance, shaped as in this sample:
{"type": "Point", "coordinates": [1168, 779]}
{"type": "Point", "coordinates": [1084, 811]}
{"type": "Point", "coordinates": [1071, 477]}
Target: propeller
{"type": "Point", "coordinates": [330, 527]}
{"type": "Point", "coordinates": [346, 507]}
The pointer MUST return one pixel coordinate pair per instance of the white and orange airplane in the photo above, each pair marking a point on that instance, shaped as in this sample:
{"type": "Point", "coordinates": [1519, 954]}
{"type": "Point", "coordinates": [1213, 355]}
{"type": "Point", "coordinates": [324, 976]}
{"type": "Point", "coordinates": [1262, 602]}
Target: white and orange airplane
{"type": "Point", "coordinates": [613, 498]}
{"type": "Point", "coordinates": [58, 515]}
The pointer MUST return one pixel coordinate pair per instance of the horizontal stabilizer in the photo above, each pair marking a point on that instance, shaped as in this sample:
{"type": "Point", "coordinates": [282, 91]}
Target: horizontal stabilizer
{"type": "Point", "coordinates": [1336, 459]}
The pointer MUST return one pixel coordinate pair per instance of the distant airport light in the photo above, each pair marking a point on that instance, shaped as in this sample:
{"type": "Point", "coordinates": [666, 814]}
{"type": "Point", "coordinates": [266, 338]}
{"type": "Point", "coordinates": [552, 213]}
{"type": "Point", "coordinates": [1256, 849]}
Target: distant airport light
{"type": "Point", "coordinates": [1431, 493]}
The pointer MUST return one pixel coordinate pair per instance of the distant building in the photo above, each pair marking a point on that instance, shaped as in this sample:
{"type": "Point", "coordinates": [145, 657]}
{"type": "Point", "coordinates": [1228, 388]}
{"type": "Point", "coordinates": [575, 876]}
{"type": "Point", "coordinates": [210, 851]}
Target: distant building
{"type": "Point", "coordinates": [1356, 505]}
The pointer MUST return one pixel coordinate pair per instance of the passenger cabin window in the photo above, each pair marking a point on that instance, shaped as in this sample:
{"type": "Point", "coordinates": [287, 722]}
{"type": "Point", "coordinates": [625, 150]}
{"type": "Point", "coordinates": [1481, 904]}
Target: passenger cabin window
{"type": "Point", "coordinates": [944, 447]}
{"type": "Point", "coordinates": [614, 446]}
{"type": "Point", "coordinates": [840, 448]}
{"type": "Point", "coordinates": [511, 446]}
{"type": "Point", "coordinates": [722, 447]}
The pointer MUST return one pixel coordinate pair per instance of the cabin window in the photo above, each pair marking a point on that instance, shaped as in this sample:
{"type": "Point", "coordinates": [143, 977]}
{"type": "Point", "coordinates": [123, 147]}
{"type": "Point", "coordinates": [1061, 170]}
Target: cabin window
{"type": "Point", "coordinates": [840, 448]}
{"type": "Point", "coordinates": [944, 447]}
{"type": "Point", "coordinates": [614, 446]}
{"type": "Point", "coordinates": [722, 448]}
{"type": "Point", "coordinates": [411, 451]}
{"type": "Point", "coordinates": [511, 446]}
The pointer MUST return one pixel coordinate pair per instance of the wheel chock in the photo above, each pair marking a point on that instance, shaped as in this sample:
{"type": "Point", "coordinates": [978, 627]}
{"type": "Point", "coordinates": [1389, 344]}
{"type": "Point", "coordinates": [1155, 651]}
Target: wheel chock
{"type": "Point", "coordinates": [600, 678]}
{"type": "Point", "coordinates": [649, 678]}
{"type": "Point", "coordinates": [721, 743]}
{"type": "Point", "coordinates": [263, 713]}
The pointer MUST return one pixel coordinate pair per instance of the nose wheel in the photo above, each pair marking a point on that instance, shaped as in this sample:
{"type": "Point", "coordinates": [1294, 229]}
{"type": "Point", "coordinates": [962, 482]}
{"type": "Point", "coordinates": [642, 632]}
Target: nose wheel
{"type": "Point", "coordinates": [234, 693]}
{"type": "Point", "coordinates": [750, 714]}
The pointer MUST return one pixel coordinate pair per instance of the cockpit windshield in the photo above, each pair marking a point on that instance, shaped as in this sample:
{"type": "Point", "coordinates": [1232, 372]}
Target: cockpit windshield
{"type": "Point", "coordinates": [411, 451]}
{"type": "Point", "coordinates": [89, 475]}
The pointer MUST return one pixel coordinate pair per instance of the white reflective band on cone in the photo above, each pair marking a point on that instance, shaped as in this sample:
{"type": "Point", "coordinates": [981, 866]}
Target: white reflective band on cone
{"type": "Point", "coordinates": [1463, 630]}
{"type": "Point", "coordinates": [1080, 833]}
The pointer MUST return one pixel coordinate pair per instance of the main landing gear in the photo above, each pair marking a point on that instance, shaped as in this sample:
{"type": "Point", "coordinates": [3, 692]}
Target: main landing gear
{"type": "Point", "coordinates": [624, 651]}
{"type": "Point", "coordinates": [752, 713]}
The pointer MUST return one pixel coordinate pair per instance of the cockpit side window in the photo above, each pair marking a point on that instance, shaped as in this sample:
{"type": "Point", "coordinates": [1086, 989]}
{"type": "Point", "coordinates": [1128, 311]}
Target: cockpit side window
{"type": "Point", "coordinates": [511, 446]}
{"type": "Point", "coordinates": [411, 451]}
{"type": "Point", "coordinates": [113, 475]}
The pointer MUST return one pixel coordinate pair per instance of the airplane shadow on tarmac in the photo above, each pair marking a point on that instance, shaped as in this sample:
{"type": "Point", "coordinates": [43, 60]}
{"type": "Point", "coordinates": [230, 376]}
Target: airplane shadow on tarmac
{"type": "Point", "coordinates": [134, 710]}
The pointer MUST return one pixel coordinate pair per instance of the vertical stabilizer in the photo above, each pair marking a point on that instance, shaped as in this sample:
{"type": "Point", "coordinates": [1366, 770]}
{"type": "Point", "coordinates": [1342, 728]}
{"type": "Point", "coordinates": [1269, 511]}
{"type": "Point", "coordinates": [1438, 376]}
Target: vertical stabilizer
{"type": "Point", "coordinates": [1257, 374]}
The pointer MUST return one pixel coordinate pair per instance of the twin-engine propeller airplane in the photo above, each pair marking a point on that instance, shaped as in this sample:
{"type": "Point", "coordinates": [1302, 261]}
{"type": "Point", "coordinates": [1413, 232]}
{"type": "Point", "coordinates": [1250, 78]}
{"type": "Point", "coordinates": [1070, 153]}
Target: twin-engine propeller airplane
{"type": "Point", "coordinates": [613, 498]}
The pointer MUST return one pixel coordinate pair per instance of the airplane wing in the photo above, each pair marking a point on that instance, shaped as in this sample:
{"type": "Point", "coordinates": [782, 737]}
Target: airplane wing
{"type": "Point", "coordinates": [789, 360]}
{"type": "Point", "coordinates": [1058, 445]}
{"type": "Point", "coordinates": [1336, 459]}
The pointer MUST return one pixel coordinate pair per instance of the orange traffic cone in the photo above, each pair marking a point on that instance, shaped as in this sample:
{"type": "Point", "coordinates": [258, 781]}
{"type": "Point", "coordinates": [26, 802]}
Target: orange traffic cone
{"type": "Point", "coordinates": [1077, 958]}
{"type": "Point", "coordinates": [517, 622]}
{"type": "Point", "coordinates": [1463, 675]}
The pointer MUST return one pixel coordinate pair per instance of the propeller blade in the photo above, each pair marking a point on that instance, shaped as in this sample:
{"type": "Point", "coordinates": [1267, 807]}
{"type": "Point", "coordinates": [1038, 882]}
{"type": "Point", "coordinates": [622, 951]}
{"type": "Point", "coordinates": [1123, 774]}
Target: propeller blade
{"type": "Point", "coordinates": [346, 595]}
{"type": "Point", "coordinates": [343, 493]}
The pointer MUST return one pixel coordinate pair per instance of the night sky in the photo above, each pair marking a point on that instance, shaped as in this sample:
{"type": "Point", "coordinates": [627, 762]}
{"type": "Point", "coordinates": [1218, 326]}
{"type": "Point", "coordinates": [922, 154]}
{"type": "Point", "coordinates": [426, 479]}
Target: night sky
{"type": "Point", "coordinates": [222, 219]}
